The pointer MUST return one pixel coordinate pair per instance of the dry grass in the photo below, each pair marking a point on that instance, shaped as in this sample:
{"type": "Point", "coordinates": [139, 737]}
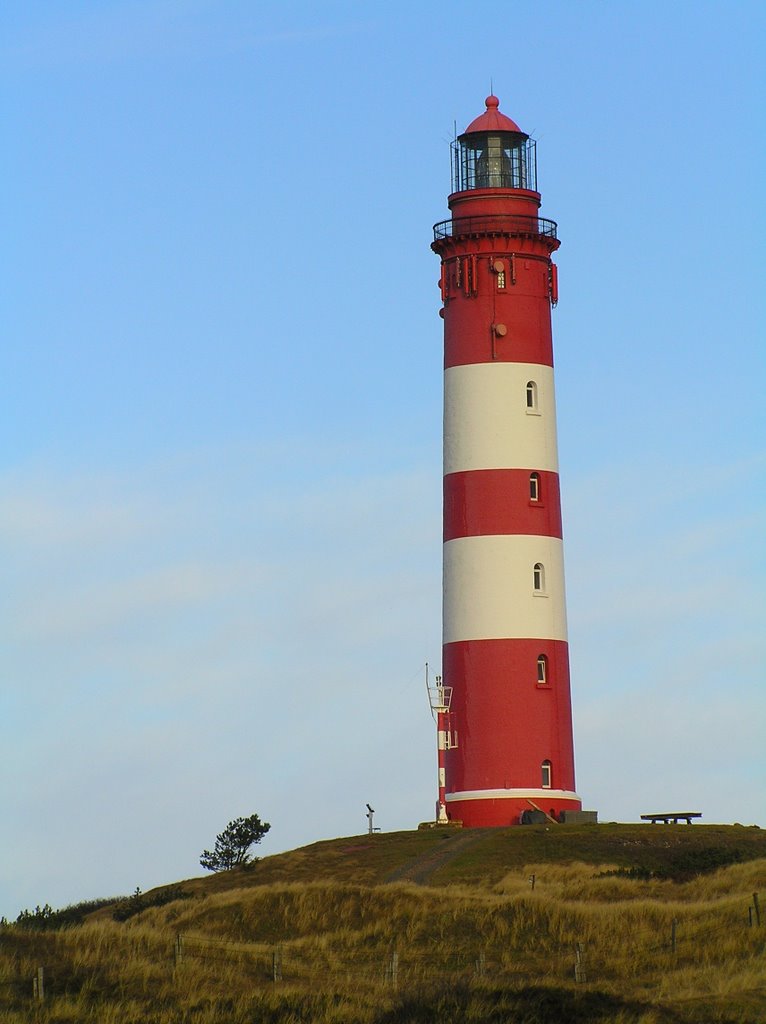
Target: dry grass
{"type": "Point", "coordinates": [601, 882]}
{"type": "Point", "coordinates": [494, 950]}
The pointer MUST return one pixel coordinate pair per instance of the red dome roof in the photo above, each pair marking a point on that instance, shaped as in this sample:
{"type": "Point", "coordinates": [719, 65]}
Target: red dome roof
{"type": "Point", "coordinates": [492, 120]}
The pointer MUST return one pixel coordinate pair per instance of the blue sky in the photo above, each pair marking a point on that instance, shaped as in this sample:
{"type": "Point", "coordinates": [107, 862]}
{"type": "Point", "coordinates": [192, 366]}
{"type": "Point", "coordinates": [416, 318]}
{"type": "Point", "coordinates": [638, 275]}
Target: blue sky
{"type": "Point", "coordinates": [220, 454]}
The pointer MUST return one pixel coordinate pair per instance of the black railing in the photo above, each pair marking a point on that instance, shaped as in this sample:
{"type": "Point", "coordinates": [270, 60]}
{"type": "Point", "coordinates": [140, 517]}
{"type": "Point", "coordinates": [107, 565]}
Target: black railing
{"type": "Point", "coordinates": [496, 224]}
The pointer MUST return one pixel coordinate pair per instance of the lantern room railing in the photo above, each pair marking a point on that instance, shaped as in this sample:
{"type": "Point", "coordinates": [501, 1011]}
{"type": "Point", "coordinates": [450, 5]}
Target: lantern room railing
{"type": "Point", "coordinates": [496, 224]}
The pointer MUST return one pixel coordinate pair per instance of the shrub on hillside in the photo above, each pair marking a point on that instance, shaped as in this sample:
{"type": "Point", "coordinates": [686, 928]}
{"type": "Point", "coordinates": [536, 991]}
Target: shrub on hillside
{"type": "Point", "coordinates": [682, 865]}
{"type": "Point", "coordinates": [47, 919]}
{"type": "Point", "coordinates": [233, 844]}
{"type": "Point", "coordinates": [139, 901]}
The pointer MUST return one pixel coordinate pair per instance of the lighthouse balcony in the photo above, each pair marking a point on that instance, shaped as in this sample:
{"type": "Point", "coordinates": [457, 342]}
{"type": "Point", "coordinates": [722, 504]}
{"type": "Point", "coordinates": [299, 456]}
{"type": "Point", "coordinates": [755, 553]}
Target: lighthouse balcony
{"type": "Point", "coordinates": [496, 225]}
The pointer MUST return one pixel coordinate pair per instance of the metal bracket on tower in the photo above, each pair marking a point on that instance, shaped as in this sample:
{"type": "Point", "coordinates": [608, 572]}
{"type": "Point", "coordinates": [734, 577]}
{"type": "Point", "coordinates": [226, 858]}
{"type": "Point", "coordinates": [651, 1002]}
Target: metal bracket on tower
{"type": "Point", "coordinates": [440, 697]}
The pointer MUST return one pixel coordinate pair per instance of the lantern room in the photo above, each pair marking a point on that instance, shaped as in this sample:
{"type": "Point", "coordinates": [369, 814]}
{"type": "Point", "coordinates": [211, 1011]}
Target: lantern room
{"type": "Point", "coordinates": [493, 152]}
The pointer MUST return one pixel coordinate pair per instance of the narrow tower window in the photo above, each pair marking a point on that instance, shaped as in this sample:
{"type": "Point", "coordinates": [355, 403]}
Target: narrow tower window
{"type": "Point", "coordinates": [531, 396]}
{"type": "Point", "coordinates": [542, 670]}
{"type": "Point", "coordinates": [538, 578]}
{"type": "Point", "coordinates": [534, 486]}
{"type": "Point", "coordinates": [498, 269]}
{"type": "Point", "coordinates": [546, 774]}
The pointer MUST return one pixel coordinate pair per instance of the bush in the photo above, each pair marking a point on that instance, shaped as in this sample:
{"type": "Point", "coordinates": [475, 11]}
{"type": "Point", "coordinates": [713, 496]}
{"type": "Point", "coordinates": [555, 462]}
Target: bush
{"type": "Point", "coordinates": [139, 901]}
{"type": "Point", "coordinates": [47, 919]}
{"type": "Point", "coordinates": [232, 845]}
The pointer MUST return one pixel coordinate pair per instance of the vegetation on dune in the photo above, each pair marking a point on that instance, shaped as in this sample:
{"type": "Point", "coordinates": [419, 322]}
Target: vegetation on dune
{"type": "Point", "coordinates": [140, 901]}
{"type": "Point", "coordinates": [345, 946]}
{"type": "Point", "coordinates": [232, 846]}
{"type": "Point", "coordinates": [45, 918]}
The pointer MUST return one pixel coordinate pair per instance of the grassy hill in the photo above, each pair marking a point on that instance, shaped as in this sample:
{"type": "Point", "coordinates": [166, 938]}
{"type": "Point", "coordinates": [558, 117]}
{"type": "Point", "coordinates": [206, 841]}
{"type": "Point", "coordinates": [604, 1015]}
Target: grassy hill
{"type": "Point", "coordinates": [609, 923]}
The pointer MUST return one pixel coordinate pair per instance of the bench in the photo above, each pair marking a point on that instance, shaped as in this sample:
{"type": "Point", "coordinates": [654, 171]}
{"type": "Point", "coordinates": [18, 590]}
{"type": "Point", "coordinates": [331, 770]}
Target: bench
{"type": "Point", "coordinates": [674, 816]}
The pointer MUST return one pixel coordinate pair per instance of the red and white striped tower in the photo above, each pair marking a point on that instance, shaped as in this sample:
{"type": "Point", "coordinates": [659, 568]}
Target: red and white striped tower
{"type": "Point", "coordinates": [505, 654]}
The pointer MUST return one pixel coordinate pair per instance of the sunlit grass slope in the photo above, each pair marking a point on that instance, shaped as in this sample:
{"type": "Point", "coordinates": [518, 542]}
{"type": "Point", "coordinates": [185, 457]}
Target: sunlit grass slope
{"type": "Point", "coordinates": [645, 924]}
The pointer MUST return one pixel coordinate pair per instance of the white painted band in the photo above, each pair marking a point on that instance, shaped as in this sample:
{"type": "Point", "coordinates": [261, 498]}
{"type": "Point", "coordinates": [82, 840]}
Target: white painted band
{"type": "Point", "coordinates": [489, 589]}
{"type": "Point", "coordinates": [487, 424]}
{"type": "Point", "coordinates": [513, 794]}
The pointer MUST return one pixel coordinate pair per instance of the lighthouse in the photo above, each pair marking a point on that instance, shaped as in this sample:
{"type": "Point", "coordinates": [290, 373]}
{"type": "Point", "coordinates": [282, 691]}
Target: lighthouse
{"type": "Point", "coordinates": [505, 735]}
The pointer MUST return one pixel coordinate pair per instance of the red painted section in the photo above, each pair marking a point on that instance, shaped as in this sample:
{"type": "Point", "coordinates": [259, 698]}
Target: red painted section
{"type": "Point", "coordinates": [507, 724]}
{"type": "Point", "coordinates": [495, 502]}
{"type": "Point", "coordinates": [505, 812]}
{"type": "Point", "coordinates": [523, 308]}
{"type": "Point", "coordinates": [492, 120]}
{"type": "Point", "coordinates": [478, 202]}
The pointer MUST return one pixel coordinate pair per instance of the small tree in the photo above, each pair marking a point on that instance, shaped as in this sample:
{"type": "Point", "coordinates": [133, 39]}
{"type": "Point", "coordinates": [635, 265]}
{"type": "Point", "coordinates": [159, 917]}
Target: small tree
{"type": "Point", "coordinates": [232, 844]}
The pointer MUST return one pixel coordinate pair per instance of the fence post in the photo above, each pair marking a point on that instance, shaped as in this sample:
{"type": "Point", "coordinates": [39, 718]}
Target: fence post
{"type": "Point", "coordinates": [38, 986]}
{"type": "Point", "coordinates": [750, 917]}
{"type": "Point", "coordinates": [532, 882]}
{"type": "Point", "coordinates": [757, 909]}
{"type": "Point", "coordinates": [178, 950]}
{"type": "Point", "coordinates": [673, 935]}
{"type": "Point", "coordinates": [276, 964]}
{"type": "Point", "coordinates": [393, 969]}
{"type": "Point", "coordinates": [579, 963]}
{"type": "Point", "coordinates": [481, 965]}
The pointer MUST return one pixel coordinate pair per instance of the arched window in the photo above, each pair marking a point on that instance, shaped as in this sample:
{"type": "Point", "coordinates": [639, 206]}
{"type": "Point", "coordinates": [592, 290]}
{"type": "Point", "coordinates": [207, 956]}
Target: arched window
{"type": "Point", "coordinates": [534, 486]}
{"type": "Point", "coordinates": [531, 396]}
{"type": "Point", "coordinates": [546, 774]}
{"type": "Point", "coordinates": [542, 670]}
{"type": "Point", "coordinates": [538, 578]}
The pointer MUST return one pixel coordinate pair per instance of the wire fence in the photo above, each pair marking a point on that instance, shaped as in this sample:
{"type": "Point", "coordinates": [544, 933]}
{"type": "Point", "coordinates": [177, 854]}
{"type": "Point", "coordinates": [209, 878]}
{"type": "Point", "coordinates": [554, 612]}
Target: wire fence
{"type": "Point", "coordinates": [399, 966]}
{"type": "Point", "coordinates": [682, 944]}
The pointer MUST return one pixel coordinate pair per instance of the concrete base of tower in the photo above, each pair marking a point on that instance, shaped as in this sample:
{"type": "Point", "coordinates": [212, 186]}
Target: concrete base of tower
{"type": "Point", "coordinates": [499, 808]}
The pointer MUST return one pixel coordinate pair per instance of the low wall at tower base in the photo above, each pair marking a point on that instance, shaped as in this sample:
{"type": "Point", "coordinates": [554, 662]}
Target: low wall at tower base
{"type": "Point", "coordinates": [563, 818]}
{"type": "Point", "coordinates": [579, 817]}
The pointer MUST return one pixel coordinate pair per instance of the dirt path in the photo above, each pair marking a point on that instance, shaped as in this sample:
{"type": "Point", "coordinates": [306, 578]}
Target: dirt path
{"type": "Point", "coordinates": [422, 868]}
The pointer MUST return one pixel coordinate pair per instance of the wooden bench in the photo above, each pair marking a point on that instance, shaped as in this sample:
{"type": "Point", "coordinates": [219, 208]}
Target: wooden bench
{"type": "Point", "coordinates": [674, 816]}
